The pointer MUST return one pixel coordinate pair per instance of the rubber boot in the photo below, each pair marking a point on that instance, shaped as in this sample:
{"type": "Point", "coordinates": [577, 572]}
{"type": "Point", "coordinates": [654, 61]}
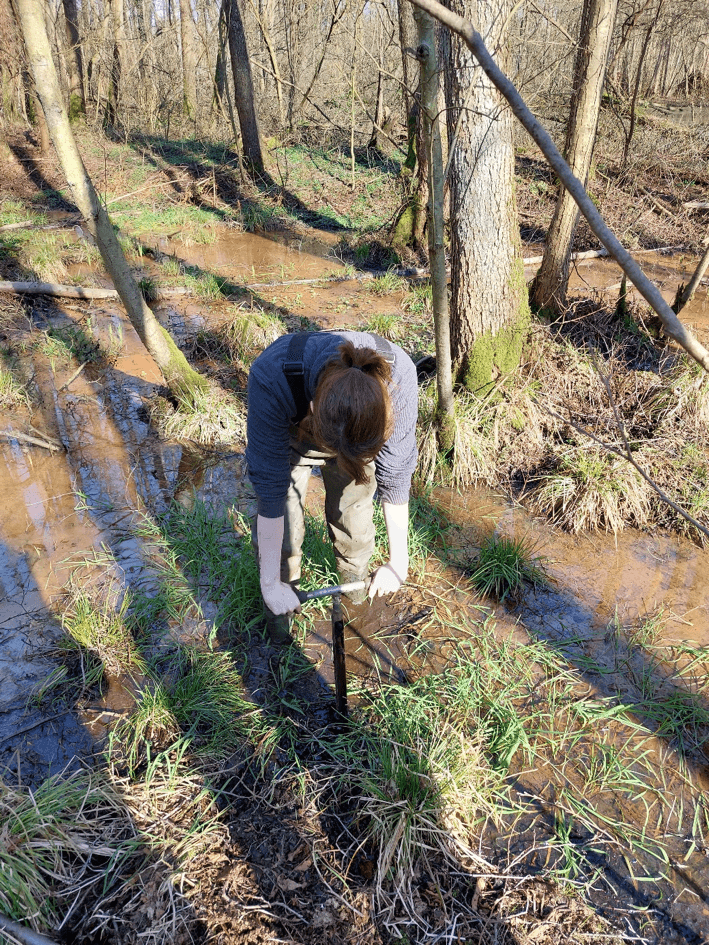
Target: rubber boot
{"type": "Point", "coordinates": [347, 577]}
{"type": "Point", "coordinates": [278, 627]}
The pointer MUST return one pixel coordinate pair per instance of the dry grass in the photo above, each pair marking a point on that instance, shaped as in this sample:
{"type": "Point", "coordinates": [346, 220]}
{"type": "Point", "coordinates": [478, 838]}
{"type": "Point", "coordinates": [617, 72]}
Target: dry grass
{"type": "Point", "coordinates": [214, 418]}
{"type": "Point", "coordinates": [472, 457]}
{"type": "Point", "coordinates": [591, 489]}
{"type": "Point", "coordinates": [55, 844]}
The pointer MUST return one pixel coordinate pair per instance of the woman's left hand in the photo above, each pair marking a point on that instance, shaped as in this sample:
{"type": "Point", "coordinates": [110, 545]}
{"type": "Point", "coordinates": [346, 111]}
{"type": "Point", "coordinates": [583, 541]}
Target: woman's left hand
{"type": "Point", "coordinates": [386, 580]}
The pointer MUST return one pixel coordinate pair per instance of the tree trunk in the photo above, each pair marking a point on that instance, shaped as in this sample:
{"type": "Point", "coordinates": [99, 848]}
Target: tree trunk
{"type": "Point", "coordinates": [244, 90]}
{"type": "Point", "coordinates": [77, 99]}
{"type": "Point", "coordinates": [407, 41]}
{"type": "Point", "coordinates": [672, 326]}
{"type": "Point", "coordinates": [116, 71]}
{"type": "Point", "coordinates": [636, 87]}
{"type": "Point", "coordinates": [685, 296]}
{"type": "Point", "coordinates": [551, 282]}
{"type": "Point", "coordinates": [220, 82]}
{"type": "Point", "coordinates": [489, 306]}
{"type": "Point", "coordinates": [426, 54]}
{"type": "Point", "coordinates": [189, 66]}
{"type": "Point", "coordinates": [180, 377]}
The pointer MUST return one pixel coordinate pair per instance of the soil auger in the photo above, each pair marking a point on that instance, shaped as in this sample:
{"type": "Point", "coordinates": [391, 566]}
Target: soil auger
{"type": "Point", "coordinates": [338, 635]}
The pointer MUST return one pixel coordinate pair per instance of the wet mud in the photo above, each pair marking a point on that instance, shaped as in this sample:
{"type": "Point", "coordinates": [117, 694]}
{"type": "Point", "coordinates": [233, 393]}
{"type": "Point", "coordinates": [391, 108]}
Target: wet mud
{"type": "Point", "coordinates": [79, 505]}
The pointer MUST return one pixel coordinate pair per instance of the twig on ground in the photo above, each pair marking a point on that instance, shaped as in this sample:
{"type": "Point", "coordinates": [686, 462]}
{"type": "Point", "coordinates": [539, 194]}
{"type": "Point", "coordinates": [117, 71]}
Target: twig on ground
{"type": "Point", "coordinates": [33, 440]}
{"type": "Point", "coordinates": [15, 226]}
{"type": "Point", "coordinates": [73, 377]}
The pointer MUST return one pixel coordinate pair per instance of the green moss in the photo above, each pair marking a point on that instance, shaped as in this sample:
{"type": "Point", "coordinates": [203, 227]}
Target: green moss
{"type": "Point", "coordinates": [76, 108]}
{"type": "Point", "coordinates": [182, 379]}
{"type": "Point", "coordinates": [493, 355]}
{"type": "Point", "coordinates": [403, 234]}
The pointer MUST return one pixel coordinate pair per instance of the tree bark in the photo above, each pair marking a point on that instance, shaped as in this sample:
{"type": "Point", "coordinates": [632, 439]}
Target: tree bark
{"type": "Point", "coordinates": [551, 282]}
{"type": "Point", "coordinates": [672, 326]}
{"type": "Point", "coordinates": [221, 89]}
{"type": "Point", "coordinates": [116, 70]}
{"type": "Point", "coordinates": [180, 377]}
{"type": "Point", "coordinates": [189, 64]}
{"type": "Point", "coordinates": [244, 90]}
{"type": "Point", "coordinates": [426, 54]}
{"type": "Point", "coordinates": [77, 99]}
{"type": "Point", "coordinates": [685, 296]}
{"type": "Point", "coordinates": [489, 296]}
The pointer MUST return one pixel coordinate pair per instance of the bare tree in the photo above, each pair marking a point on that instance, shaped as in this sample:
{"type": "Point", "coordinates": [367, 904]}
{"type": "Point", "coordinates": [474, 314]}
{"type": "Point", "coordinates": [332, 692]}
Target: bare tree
{"type": "Point", "coordinates": [244, 90]}
{"type": "Point", "coordinates": [189, 64]}
{"type": "Point", "coordinates": [551, 282]}
{"type": "Point", "coordinates": [77, 99]}
{"type": "Point", "coordinates": [181, 378]}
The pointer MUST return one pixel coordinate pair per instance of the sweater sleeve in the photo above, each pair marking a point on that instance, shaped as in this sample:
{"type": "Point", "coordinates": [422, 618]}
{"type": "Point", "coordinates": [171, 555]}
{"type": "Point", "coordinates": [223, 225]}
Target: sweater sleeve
{"type": "Point", "coordinates": [268, 445]}
{"type": "Point", "coordinates": [396, 463]}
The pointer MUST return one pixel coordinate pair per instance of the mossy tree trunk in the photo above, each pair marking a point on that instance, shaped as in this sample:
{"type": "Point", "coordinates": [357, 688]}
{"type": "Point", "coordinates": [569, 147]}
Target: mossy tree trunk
{"type": "Point", "coordinates": [551, 282]}
{"type": "Point", "coordinates": [179, 376]}
{"type": "Point", "coordinates": [489, 305]}
{"type": "Point", "coordinates": [426, 54]}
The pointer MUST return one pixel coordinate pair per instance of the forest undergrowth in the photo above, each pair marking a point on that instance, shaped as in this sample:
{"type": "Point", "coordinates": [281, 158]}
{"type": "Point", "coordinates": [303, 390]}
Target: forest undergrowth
{"type": "Point", "coordinates": [494, 791]}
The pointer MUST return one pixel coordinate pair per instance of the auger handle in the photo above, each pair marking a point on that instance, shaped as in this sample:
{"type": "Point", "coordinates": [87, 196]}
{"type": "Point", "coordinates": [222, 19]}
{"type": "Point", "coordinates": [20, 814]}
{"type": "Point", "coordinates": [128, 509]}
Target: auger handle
{"type": "Point", "coordinates": [331, 591]}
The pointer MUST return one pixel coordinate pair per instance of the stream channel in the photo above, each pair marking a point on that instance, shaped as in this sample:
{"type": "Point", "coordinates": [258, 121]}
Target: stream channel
{"type": "Point", "coordinates": [61, 509]}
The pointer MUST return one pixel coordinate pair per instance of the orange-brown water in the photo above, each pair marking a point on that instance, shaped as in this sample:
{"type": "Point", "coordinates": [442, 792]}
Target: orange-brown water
{"type": "Point", "coordinates": [80, 504]}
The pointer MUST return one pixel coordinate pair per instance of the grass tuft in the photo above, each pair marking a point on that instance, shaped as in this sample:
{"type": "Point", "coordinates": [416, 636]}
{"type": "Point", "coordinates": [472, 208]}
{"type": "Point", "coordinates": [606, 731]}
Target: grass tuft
{"type": "Point", "coordinates": [592, 490]}
{"type": "Point", "coordinates": [213, 418]}
{"type": "Point", "coordinates": [504, 565]}
{"type": "Point", "coordinates": [472, 457]}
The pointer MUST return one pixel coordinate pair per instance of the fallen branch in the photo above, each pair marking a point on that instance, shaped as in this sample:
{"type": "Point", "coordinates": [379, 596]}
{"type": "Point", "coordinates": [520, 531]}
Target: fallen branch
{"type": "Point", "coordinates": [15, 226]}
{"type": "Point", "coordinates": [650, 292]}
{"type": "Point", "coordinates": [600, 253]}
{"type": "Point", "coordinates": [32, 440]}
{"type": "Point", "coordinates": [80, 292]}
{"type": "Point", "coordinates": [22, 934]}
{"type": "Point", "coordinates": [588, 254]}
{"type": "Point", "coordinates": [151, 186]}
{"type": "Point", "coordinates": [659, 206]}
{"type": "Point", "coordinates": [696, 205]}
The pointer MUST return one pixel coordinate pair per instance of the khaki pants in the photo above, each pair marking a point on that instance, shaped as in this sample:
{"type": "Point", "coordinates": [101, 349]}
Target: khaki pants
{"type": "Point", "coordinates": [349, 512]}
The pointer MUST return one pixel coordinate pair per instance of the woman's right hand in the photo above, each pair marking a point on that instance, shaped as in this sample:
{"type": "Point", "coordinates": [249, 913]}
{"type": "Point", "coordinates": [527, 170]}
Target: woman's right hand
{"type": "Point", "coordinates": [280, 598]}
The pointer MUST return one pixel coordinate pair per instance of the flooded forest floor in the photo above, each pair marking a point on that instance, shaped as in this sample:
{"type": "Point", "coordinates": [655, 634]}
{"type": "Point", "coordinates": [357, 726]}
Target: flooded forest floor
{"type": "Point", "coordinates": [531, 770]}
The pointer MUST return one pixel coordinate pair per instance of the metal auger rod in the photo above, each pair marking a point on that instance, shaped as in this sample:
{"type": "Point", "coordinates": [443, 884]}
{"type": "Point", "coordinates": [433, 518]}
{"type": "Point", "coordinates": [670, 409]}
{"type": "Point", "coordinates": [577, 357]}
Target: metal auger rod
{"type": "Point", "coordinates": [338, 636]}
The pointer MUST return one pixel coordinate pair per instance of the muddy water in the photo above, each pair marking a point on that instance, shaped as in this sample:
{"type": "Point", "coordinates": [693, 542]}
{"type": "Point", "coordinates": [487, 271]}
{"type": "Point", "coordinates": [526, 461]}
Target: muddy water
{"type": "Point", "coordinates": [69, 506]}
{"type": "Point", "coordinates": [250, 258]}
{"type": "Point", "coordinates": [666, 271]}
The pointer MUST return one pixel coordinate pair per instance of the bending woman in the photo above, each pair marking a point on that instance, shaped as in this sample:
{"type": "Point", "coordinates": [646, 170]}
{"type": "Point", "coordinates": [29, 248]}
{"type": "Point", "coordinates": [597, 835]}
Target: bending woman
{"type": "Point", "coordinates": [346, 402]}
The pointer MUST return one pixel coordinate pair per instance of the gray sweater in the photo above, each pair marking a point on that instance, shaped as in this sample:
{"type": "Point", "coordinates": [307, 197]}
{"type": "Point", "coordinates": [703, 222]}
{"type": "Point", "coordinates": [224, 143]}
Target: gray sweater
{"type": "Point", "coordinates": [271, 407]}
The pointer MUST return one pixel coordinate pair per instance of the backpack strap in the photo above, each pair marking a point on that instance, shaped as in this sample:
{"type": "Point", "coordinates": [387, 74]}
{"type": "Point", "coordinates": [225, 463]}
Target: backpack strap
{"type": "Point", "coordinates": [295, 372]}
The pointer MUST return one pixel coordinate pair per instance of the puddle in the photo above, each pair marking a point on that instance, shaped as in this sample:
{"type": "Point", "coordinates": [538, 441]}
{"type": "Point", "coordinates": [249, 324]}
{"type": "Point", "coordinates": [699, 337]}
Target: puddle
{"type": "Point", "coordinates": [250, 258]}
{"type": "Point", "coordinates": [83, 502]}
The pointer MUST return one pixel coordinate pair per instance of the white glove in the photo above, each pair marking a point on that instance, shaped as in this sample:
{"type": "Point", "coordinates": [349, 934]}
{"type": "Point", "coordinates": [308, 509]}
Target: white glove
{"type": "Point", "coordinates": [280, 598]}
{"type": "Point", "coordinates": [385, 581]}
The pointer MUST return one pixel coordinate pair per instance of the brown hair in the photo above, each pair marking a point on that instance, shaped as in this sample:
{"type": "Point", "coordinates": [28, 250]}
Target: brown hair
{"type": "Point", "coordinates": [352, 413]}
